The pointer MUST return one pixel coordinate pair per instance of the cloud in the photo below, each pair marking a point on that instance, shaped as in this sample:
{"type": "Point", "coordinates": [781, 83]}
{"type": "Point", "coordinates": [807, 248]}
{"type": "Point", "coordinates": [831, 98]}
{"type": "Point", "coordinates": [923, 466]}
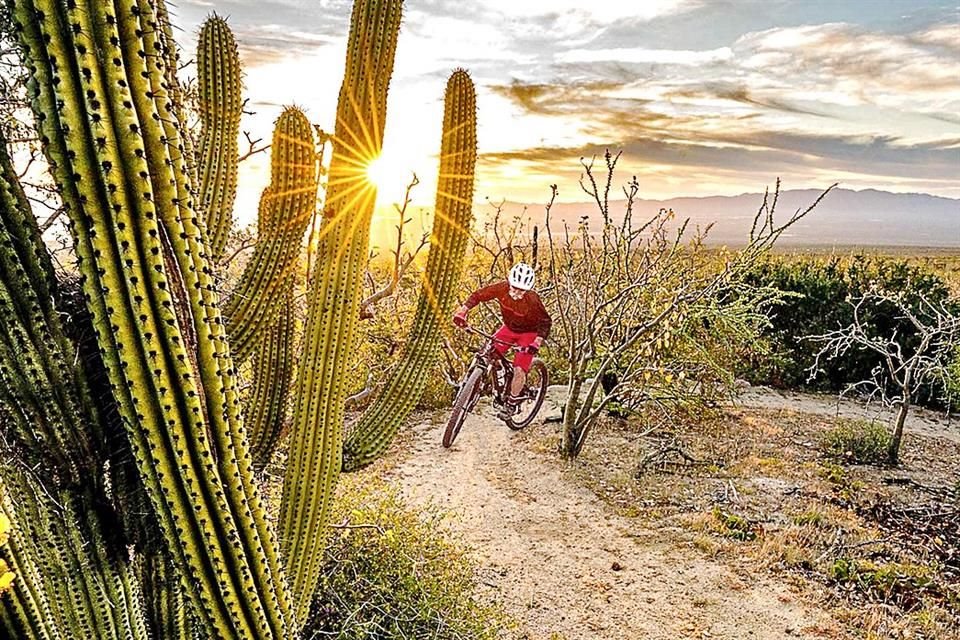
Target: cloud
{"type": "Point", "coordinates": [848, 65]}
{"type": "Point", "coordinates": [651, 56]}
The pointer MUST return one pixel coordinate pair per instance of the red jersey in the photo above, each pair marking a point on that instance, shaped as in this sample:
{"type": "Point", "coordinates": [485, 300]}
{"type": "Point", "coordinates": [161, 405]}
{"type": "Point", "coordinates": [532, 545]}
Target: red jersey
{"type": "Point", "coordinates": [526, 315]}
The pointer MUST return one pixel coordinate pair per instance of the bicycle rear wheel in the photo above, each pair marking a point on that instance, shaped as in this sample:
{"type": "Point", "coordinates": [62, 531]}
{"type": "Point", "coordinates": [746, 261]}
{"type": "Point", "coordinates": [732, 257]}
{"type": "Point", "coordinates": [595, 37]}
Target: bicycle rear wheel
{"type": "Point", "coordinates": [534, 391]}
{"type": "Point", "coordinates": [461, 405]}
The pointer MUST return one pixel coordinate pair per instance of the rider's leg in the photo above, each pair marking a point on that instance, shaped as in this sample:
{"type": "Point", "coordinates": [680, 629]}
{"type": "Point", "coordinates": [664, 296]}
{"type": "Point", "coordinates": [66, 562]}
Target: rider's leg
{"type": "Point", "coordinates": [519, 377]}
{"type": "Point", "coordinates": [521, 363]}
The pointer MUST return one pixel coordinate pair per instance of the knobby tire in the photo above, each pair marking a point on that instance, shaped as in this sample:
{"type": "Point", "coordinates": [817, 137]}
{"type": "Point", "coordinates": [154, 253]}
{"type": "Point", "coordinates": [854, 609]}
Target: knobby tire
{"type": "Point", "coordinates": [460, 407]}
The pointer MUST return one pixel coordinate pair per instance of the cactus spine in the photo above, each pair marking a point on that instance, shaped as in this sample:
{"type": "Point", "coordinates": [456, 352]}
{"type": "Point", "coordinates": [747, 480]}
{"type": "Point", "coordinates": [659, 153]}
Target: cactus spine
{"type": "Point", "coordinates": [286, 207]}
{"type": "Point", "coordinates": [118, 160]}
{"type": "Point", "coordinates": [334, 297]}
{"type": "Point", "coordinates": [220, 106]}
{"type": "Point", "coordinates": [448, 244]}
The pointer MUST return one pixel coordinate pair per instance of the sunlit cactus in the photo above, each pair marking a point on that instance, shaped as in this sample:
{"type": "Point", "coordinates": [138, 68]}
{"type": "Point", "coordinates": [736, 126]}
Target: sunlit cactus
{"type": "Point", "coordinates": [220, 105]}
{"type": "Point", "coordinates": [51, 428]}
{"type": "Point", "coordinates": [333, 301]}
{"type": "Point", "coordinates": [106, 124]}
{"type": "Point", "coordinates": [448, 244]}
{"type": "Point", "coordinates": [110, 119]}
{"type": "Point", "coordinates": [286, 207]}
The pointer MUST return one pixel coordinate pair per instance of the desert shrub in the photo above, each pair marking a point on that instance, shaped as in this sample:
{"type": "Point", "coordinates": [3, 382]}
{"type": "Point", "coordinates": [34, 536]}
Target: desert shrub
{"type": "Point", "coordinates": [857, 441]}
{"type": "Point", "coordinates": [733, 526]}
{"type": "Point", "coordinates": [900, 583]}
{"type": "Point", "coordinates": [392, 572]}
{"type": "Point", "coordinates": [820, 291]}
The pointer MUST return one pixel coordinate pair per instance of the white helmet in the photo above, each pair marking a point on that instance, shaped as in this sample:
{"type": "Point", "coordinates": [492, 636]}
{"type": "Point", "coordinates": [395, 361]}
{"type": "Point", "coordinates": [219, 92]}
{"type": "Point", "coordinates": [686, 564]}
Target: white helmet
{"type": "Point", "coordinates": [521, 276]}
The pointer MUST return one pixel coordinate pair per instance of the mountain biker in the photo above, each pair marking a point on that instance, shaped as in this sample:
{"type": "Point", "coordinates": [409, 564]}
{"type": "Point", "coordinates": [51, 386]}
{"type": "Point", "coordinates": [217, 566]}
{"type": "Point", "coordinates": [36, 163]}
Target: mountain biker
{"type": "Point", "coordinates": [526, 324]}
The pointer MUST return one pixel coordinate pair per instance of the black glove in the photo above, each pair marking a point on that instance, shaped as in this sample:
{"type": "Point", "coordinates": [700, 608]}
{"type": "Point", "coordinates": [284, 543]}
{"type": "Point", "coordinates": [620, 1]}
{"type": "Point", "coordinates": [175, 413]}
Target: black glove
{"type": "Point", "coordinates": [532, 350]}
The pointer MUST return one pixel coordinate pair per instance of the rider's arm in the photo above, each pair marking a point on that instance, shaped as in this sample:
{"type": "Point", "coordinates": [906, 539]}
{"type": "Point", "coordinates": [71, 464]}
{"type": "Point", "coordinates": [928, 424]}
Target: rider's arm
{"type": "Point", "coordinates": [480, 295]}
{"type": "Point", "coordinates": [486, 293]}
{"type": "Point", "coordinates": [544, 322]}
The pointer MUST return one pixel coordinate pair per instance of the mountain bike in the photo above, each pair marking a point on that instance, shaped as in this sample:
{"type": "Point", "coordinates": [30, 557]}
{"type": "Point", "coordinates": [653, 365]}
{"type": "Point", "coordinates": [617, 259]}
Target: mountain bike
{"type": "Point", "coordinates": [491, 374]}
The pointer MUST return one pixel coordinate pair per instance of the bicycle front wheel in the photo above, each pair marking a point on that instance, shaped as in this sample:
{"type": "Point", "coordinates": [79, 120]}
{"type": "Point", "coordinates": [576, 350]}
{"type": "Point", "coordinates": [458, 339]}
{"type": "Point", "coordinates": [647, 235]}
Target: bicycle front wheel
{"type": "Point", "coordinates": [534, 391]}
{"type": "Point", "coordinates": [461, 406]}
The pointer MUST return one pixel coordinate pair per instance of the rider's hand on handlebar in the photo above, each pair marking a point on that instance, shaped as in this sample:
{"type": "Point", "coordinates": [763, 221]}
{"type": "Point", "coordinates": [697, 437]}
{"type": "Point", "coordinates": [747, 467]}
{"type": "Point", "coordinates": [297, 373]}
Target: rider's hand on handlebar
{"type": "Point", "coordinates": [460, 318]}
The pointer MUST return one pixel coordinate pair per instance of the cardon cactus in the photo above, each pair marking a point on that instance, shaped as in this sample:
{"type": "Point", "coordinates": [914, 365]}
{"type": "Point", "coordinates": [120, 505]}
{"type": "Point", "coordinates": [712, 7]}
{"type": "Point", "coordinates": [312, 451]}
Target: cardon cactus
{"type": "Point", "coordinates": [68, 569]}
{"type": "Point", "coordinates": [113, 143]}
{"type": "Point", "coordinates": [286, 207]}
{"type": "Point", "coordinates": [220, 105]}
{"type": "Point", "coordinates": [103, 91]}
{"type": "Point", "coordinates": [448, 244]}
{"type": "Point", "coordinates": [333, 302]}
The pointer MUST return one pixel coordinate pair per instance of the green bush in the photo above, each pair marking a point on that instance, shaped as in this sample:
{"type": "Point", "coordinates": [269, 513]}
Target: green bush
{"type": "Point", "coordinates": [821, 291]}
{"type": "Point", "coordinates": [391, 572]}
{"type": "Point", "coordinates": [901, 583]}
{"type": "Point", "coordinates": [733, 526]}
{"type": "Point", "coordinates": [857, 441]}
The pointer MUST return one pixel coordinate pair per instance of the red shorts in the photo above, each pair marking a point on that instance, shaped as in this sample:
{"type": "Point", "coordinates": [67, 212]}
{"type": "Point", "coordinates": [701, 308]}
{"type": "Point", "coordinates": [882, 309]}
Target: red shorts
{"type": "Point", "coordinates": [521, 359]}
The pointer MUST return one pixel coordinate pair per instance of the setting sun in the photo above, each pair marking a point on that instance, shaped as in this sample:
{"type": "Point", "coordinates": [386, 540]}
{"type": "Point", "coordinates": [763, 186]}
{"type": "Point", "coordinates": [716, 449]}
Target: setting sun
{"type": "Point", "coordinates": [390, 175]}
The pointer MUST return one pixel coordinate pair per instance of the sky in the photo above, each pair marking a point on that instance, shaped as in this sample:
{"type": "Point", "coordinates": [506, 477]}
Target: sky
{"type": "Point", "coordinates": [703, 97]}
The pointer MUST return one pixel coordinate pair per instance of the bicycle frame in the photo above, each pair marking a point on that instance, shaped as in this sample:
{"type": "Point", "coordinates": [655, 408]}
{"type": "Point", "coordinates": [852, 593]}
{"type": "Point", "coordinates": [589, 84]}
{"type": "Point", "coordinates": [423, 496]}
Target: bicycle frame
{"type": "Point", "coordinates": [487, 359]}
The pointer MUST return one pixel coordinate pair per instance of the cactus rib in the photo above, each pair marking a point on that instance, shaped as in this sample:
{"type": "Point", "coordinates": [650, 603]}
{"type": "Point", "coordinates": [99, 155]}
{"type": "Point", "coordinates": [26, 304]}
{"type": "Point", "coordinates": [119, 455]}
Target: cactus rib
{"type": "Point", "coordinates": [286, 207]}
{"type": "Point", "coordinates": [272, 376]}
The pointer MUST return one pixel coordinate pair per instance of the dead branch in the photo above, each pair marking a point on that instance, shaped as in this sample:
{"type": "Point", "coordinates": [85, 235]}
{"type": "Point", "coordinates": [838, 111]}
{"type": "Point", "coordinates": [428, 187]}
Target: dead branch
{"type": "Point", "coordinates": [252, 148]}
{"type": "Point", "coordinates": [401, 260]}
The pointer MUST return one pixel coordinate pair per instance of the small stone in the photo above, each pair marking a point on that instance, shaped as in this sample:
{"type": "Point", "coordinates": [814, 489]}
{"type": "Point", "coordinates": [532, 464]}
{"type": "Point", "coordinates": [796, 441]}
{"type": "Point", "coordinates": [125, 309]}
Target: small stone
{"type": "Point", "coordinates": [616, 566]}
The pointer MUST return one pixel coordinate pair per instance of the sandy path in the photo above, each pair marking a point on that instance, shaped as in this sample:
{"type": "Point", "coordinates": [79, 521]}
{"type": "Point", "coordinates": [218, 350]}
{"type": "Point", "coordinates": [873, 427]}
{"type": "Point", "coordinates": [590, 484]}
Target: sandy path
{"type": "Point", "coordinates": [566, 567]}
{"type": "Point", "coordinates": [919, 421]}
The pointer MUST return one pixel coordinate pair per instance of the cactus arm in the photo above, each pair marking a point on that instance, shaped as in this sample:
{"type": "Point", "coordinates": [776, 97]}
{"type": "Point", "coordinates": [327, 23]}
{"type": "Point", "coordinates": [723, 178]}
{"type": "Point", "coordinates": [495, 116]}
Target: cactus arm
{"type": "Point", "coordinates": [142, 293]}
{"type": "Point", "coordinates": [220, 106]}
{"type": "Point", "coordinates": [272, 374]}
{"type": "Point", "coordinates": [334, 296]}
{"type": "Point", "coordinates": [24, 610]}
{"type": "Point", "coordinates": [286, 208]}
{"type": "Point", "coordinates": [448, 243]}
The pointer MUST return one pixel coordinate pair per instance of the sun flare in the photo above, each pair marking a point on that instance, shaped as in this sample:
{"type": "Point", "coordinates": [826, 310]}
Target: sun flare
{"type": "Point", "coordinates": [390, 175]}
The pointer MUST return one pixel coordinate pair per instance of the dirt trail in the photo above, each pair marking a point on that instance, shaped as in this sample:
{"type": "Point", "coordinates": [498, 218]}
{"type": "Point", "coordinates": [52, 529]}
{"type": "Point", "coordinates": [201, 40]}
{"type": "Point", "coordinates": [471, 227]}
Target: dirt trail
{"type": "Point", "coordinates": [569, 568]}
{"type": "Point", "coordinates": [919, 421]}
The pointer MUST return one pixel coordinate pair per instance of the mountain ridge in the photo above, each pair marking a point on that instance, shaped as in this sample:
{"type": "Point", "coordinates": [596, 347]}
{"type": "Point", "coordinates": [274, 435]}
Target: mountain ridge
{"type": "Point", "coordinates": [845, 217]}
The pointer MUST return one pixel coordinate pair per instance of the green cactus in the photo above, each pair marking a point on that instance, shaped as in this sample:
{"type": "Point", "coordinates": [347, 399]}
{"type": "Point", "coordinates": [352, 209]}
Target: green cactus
{"type": "Point", "coordinates": [334, 297]}
{"type": "Point", "coordinates": [104, 92]}
{"type": "Point", "coordinates": [286, 207]}
{"type": "Point", "coordinates": [118, 160]}
{"type": "Point", "coordinates": [53, 430]}
{"type": "Point", "coordinates": [448, 244]}
{"type": "Point", "coordinates": [220, 106]}
{"type": "Point", "coordinates": [272, 377]}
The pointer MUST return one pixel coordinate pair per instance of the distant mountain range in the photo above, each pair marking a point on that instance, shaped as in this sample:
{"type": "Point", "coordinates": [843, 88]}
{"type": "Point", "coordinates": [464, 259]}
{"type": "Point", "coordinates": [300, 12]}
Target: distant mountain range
{"type": "Point", "coordinates": [868, 218]}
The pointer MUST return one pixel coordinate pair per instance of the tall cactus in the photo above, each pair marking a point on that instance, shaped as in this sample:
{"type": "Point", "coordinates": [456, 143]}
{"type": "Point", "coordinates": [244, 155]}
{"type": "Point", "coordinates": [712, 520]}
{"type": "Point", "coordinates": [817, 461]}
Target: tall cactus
{"type": "Point", "coordinates": [52, 428]}
{"type": "Point", "coordinates": [286, 207]}
{"type": "Point", "coordinates": [103, 90]}
{"type": "Point", "coordinates": [448, 243]}
{"type": "Point", "coordinates": [98, 73]}
{"type": "Point", "coordinates": [313, 464]}
{"type": "Point", "coordinates": [220, 106]}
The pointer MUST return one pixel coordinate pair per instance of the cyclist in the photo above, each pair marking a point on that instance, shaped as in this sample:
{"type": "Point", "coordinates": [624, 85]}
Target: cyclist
{"type": "Point", "coordinates": [526, 324]}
